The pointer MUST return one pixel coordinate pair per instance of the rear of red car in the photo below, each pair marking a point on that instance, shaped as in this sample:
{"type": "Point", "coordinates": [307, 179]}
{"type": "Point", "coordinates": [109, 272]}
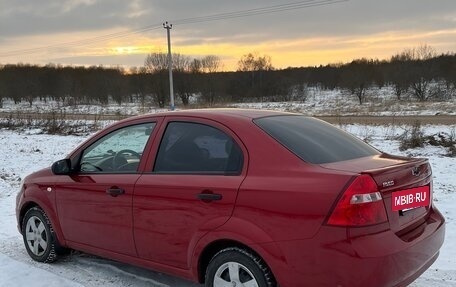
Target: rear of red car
{"type": "Point", "coordinates": [395, 232]}
{"type": "Point", "coordinates": [382, 229]}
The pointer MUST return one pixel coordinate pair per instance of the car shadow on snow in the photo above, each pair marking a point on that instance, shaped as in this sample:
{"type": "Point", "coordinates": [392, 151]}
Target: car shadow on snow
{"type": "Point", "coordinates": [121, 274]}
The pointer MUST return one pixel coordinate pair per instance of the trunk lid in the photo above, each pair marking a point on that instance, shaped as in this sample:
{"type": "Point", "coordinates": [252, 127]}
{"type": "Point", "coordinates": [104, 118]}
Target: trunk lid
{"type": "Point", "coordinates": [393, 174]}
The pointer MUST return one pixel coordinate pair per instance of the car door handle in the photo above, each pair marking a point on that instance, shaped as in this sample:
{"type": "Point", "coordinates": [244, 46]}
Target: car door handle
{"type": "Point", "coordinates": [115, 191]}
{"type": "Point", "coordinates": [209, 196]}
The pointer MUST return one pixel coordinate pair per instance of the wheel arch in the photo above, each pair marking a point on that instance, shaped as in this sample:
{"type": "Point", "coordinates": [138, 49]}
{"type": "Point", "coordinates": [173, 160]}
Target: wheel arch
{"type": "Point", "coordinates": [236, 232]}
{"type": "Point", "coordinates": [52, 218]}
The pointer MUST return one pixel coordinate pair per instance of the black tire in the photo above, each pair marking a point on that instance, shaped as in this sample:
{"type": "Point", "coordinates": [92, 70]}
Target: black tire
{"type": "Point", "coordinates": [38, 235]}
{"type": "Point", "coordinates": [250, 267]}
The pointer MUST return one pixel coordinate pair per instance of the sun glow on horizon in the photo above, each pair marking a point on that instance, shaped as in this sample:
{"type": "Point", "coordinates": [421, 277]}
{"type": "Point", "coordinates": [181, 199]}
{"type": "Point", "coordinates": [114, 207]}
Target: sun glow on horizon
{"type": "Point", "coordinates": [305, 52]}
{"type": "Point", "coordinates": [296, 52]}
{"type": "Point", "coordinates": [124, 50]}
{"type": "Point", "coordinates": [129, 50]}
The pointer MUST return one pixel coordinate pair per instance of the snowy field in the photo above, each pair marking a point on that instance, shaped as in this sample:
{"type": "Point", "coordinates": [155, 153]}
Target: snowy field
{"type": "Point", "coordinates": [111, 108]}
{"type": "Point", "coordinates": [379, 102]}
{"type": "Point", "coordinates": [313, 101]}
{"type": "Point", "coordinates": [27, 151]}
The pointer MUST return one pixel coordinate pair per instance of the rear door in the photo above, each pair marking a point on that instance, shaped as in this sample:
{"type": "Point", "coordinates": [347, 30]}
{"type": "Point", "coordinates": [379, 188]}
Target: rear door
{"type": "Point", "coordinates": [191, 188]}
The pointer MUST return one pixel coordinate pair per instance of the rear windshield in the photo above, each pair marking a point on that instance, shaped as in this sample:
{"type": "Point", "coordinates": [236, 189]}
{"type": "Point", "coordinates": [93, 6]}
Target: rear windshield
{"type": "Point", "coordinates": [313, 140]}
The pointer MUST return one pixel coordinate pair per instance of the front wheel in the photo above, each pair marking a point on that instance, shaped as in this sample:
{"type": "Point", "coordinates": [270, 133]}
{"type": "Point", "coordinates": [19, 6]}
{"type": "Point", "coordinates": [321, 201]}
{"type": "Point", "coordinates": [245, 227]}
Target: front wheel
{"type": "Point", "coordinates": [39, 238]}
{"type": "Point", "coordinates": [235, 267]}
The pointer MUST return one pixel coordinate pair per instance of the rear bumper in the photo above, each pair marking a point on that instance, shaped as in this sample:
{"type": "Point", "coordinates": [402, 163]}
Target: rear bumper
{"type": "Point", "coordinates": [337, 258]}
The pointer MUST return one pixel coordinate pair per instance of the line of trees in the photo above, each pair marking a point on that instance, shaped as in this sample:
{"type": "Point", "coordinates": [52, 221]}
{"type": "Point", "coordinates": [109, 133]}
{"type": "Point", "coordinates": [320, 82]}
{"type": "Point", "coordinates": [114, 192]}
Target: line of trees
{"type": "Point", "coordinates": [67, 84]}
{"type": "Point", "coordinates": [418, 74]}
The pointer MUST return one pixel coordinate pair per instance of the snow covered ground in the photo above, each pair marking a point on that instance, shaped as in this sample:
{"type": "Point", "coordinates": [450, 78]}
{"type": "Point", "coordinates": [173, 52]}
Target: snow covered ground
{"type": "Point", "coordinates": [380, 102]}
{"type": "Point", "coordinates": [24, 152]}
{"type": "Point", "coordinates": [111, 108]}
{"type": "Point", "coordinates": [314, 101]}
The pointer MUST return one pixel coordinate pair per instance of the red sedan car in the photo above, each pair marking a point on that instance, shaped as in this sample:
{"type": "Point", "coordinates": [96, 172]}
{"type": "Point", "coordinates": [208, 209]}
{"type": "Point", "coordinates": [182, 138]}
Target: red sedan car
{"type": "Point", "coordinates": [237, 198]}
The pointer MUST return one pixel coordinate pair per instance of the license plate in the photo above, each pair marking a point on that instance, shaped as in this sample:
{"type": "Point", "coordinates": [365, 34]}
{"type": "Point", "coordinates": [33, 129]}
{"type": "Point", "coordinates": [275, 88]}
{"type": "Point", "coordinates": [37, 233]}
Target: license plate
{"type": "Point", "coordinates": [411, 198]}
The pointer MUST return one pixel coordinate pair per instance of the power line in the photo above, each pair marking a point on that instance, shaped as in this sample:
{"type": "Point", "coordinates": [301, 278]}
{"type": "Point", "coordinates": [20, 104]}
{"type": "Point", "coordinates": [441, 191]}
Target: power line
{"type": "Point", "coordinates": [83, 42]}
{"type": "Point", "coordinates": [259, 11]}
{"type": "Point", "coordinates": [201, 19]}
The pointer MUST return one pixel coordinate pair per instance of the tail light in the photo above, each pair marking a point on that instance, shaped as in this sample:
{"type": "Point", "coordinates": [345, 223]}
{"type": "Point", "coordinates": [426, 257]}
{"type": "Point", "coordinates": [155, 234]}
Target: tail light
{"type": "Point", "coordinates": [361, 204]}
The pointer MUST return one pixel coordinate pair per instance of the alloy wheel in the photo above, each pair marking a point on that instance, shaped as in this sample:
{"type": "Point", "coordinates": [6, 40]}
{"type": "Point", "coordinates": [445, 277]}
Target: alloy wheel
{"type": "Point", "coordinates": [36, 236]}
{"type": "Point", "coordinates": [234, 274]}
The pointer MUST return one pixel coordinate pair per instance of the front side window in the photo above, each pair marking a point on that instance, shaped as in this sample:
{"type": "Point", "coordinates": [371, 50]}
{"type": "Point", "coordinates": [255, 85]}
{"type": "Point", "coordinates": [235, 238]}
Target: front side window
{"type": "Point", "coordinates": [197, 148]}
{"type": "Point", "coordinates": [117, 152]}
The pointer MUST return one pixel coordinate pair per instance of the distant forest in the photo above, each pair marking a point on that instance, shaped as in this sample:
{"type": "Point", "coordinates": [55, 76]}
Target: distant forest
{"type": "Point", "coordinates": [417, 74]}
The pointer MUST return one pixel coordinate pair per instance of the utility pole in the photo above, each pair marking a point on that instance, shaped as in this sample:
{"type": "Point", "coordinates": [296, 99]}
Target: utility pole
{"type": "Point", "coordinates": [168, 27]}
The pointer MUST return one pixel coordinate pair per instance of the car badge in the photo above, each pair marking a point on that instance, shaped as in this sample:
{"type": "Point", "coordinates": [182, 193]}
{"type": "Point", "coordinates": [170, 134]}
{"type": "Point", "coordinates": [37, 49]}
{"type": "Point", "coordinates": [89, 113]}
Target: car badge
{"type": "Point", "coordinates": [388, 183]}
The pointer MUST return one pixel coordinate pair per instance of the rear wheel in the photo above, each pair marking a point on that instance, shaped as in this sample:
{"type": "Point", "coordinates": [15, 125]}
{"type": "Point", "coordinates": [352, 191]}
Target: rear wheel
{"type": "Point", "coordinates": [235, 267]}
{"type": "Point", "coordinates": [39, 237]}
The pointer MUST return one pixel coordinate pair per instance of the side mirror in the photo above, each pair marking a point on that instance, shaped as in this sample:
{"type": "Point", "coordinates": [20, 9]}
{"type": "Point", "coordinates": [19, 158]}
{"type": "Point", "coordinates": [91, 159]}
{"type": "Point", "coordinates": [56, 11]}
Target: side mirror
{"type": "Point", "coordinates": [62, 167]}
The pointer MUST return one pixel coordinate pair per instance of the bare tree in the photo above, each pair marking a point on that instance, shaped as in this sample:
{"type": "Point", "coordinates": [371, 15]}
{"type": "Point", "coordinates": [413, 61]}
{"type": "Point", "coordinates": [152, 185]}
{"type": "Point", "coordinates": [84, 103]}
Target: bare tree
{"type": "Point", "coordinates": [256, 65]}
{"type": "Point", "coordinates": [186, 73]}
{"type": "Point", "coordinates": [424, 52]}
{"type": "Point", "coordinates": [156, 62]}
{"type": "Point", "coordinates": [181, 63]}
{"type": "Point", "coordinates": [357, 77]}
{"type": "Point", "coordinates": [419, 72]}
{"type": "Point", "coordinates": [196, 66]}
{"type": "Point", "coordinates": [209, 89]}
{"type": "Point", "coordinates": [211, 64]}
{"type": "Point", "coordinates": [398, 74]}
{"type": "Point", "coordinates": [253, 62]}
{"type": "Point", "coordinates": [156, 65]}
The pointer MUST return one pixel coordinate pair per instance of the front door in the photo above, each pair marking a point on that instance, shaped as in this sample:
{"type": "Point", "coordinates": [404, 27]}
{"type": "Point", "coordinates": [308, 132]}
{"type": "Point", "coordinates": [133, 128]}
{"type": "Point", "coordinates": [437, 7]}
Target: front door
{"type": "Point", "coordinates": [190, 190]}
{"type": "Point", "coordinates": [95, 203]}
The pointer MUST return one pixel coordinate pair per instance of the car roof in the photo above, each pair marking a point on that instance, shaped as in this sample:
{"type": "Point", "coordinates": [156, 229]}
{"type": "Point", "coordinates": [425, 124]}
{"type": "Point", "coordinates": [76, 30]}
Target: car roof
{"type": "Point", "coordinates": [218, 114]}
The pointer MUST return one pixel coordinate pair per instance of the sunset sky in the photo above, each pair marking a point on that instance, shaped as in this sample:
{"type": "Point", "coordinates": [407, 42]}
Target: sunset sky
{"type": "Point", "coordinates": [118, 32]}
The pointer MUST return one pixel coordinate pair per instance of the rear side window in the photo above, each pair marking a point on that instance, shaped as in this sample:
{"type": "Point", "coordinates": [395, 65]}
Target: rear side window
{"type": "Point", "coordinates": [197, 148]}
{"type": "Point", "coordinates": [313, 140]}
